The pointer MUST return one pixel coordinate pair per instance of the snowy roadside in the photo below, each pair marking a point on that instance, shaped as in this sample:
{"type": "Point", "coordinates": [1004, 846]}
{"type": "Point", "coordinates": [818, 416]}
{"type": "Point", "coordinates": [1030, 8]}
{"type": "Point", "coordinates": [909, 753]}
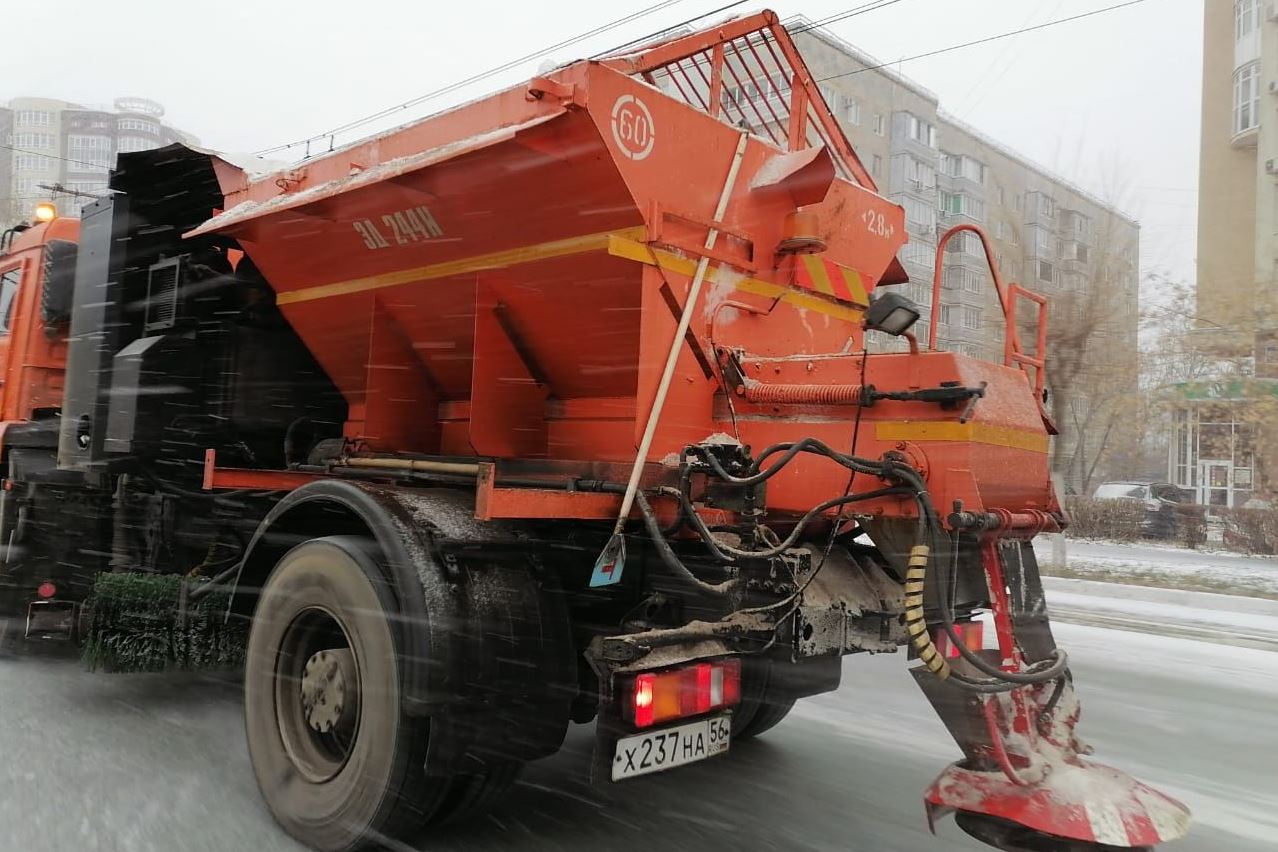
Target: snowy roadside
{"type": "Point", "coordinates": [1226, 619]}
{"type": "Point", "coordinates": [1163, 566]}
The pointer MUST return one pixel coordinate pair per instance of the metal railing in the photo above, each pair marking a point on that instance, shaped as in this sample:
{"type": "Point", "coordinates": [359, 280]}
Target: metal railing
{"type": "Point", "coordinates": [1014, 354]}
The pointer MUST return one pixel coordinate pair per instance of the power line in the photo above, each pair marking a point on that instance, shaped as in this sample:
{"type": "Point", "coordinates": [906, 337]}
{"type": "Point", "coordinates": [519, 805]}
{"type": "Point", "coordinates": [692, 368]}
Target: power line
{"type": "Point", "coordinates": [474, 78]}
{"type": "Point", "coordinates": [985, 40]}
{"type": "Point", "coordinates": [844, 15]}
{"type": "Point", "coordinates": [613, 51]}
{"type": "Point", "coordinates": [55, 157]}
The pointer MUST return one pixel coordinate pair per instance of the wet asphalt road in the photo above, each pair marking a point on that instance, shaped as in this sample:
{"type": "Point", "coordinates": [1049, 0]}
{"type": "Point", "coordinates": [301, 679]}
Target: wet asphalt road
{"type": "Point", "coordinates": [146, 762]}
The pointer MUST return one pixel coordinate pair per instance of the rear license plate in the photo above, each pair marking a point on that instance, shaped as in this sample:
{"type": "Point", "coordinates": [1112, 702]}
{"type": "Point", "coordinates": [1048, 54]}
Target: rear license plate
{"type": "Point", "coordinates": [670, 747]}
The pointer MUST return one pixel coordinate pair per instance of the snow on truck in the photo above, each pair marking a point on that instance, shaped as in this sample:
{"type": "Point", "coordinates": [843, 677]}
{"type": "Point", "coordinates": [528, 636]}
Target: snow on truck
{"type": "Point", "coordinates": [551, 408]}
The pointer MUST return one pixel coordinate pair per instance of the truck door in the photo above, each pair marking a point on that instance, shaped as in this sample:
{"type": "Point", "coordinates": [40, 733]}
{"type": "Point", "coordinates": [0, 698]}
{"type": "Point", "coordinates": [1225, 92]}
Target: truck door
{"type": "Point", "coordinates": [10, 278]}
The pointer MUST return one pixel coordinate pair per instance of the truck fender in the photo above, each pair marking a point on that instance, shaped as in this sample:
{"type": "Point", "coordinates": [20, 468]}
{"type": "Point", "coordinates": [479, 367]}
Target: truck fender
{"type": "Point", "coordinates": [486, 640]}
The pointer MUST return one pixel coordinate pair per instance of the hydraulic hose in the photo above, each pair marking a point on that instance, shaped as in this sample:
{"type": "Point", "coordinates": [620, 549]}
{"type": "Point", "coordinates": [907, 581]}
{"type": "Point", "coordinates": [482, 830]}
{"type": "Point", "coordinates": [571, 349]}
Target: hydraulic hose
{"type": "Point", "coordinates": [915, 621]}
{"type": "Point", "coordinates": [792, 538]}
{"type": "Point", "coordinates": [790, 450]}
{"type": "Point", "coordinates": [671, 559]}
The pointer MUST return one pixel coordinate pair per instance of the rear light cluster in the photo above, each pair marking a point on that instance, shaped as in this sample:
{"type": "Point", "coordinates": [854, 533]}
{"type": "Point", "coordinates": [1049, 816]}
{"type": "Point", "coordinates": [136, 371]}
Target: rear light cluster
{"type": "Point", "coordinates": [657, 697]}
{"type": "Point", "coordinates": [971, 632]}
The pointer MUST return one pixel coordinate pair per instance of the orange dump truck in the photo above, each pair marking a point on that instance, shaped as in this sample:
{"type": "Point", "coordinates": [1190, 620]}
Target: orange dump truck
{"type": "Point", "coordinates": [553, 407]}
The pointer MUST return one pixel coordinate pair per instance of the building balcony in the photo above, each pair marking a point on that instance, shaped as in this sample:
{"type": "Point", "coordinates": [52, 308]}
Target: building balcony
{"type": "Point", "coordinates": [1247, 139]}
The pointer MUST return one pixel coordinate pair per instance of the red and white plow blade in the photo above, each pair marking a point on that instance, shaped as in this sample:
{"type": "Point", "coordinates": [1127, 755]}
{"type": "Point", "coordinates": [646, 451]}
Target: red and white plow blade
{"type": "Point", "coordinates": [1031, 773]}
{"type": "Point", "coordinates": [1078, 800]}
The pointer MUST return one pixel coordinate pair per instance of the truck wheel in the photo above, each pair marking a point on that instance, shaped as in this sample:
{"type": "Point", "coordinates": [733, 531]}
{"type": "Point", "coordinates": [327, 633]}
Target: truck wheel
{"type": "Point", "coordinates": [761, 708]}
{"type": "Point", "coordinates": [337, 760]}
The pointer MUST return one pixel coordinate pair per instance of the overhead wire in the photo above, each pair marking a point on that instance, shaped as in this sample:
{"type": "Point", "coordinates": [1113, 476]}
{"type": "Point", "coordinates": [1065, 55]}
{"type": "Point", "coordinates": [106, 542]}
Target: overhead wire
{"type": "Point", "coordinates": [17, 150]}
{"type": "Point", "coordinates": [985, 40]}
{"type": "Point", "coordinates": [474, 78]}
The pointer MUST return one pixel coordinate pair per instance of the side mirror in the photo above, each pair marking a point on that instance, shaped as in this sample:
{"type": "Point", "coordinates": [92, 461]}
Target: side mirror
{"type": "Point", "coordinates": [59, 282]}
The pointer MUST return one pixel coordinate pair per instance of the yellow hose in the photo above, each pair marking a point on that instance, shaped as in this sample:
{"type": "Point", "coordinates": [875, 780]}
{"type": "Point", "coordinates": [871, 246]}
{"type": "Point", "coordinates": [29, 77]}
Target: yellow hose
{"type": "Point", "coordinates": [915, 623]}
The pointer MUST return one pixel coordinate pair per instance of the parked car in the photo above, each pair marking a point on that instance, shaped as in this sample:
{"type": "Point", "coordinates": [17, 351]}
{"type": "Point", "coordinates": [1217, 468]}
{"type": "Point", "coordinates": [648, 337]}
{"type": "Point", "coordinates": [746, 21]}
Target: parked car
{"type": "Point", "coordinates": [1162, 502]}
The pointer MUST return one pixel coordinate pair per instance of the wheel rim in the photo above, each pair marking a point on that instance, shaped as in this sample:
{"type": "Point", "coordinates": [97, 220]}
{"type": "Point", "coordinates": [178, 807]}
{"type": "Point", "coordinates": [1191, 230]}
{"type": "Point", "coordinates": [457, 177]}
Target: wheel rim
{"type": "Point", "coordinates": [317, 694]}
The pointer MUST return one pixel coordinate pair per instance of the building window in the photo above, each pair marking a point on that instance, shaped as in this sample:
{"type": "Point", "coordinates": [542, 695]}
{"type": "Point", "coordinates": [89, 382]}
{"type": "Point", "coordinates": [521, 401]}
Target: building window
{"type": "Point", "coordinates": [1044, 241]}
{"type": "Point", "coordinates": [947, 315]}
{"type": "Point", "coordinates": [1016, 203]}
{"type": "Point", "coordinates": [965, 242]}
{"type": "Point", "coordinates": [38, 141]}
{"type": "Point", "coordinates": [33, 118]}
{"type": "Point", "coordinates": [134, 143]}
{"type": "Point", "coordinates": [1075, 251]}
{"type": "Point", "coordinates": [1046, 207]}
{"type": "Point", "coordinates": [1247, 97]}
{"type": "Point", "coordinates": [850, 110]}
{"type": "Point", "coordinates": [920, 131]}
{"type": "Point", "coordinates": [921, 254]}
{"type": "Point", "coordinates": [968, 280]}
{"type": "Point", "coordinates": [957, 204]}
{"type": "Point", "coordinates": [1246, 17]}
{"type": "Point", "coordinates": [971, 317]}
{"type": "Point", "coordinates": [32, 163]}
{"type": "Point", "coordinates": [876, 165]}
{"type": "Point", "coordinates": [957, 165]}
{"type": "Point", "coordinates": [920, 175]}
{"type": "Point", "coordinates": [1046, 271]}
{"type": "Point", "coordinates": [920, 218]}
{"type": "Point", "coordinates": [880, 126]}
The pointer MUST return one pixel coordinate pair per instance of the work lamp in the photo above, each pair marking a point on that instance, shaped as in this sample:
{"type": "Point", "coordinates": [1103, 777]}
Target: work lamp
{"type": "Point", "coordinates": [891, 313]}
{"type": "Point", "coordinates": [45, 211]}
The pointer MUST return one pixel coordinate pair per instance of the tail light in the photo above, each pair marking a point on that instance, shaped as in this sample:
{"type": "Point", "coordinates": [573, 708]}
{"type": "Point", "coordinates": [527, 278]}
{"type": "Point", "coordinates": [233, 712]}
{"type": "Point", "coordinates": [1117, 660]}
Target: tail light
{"type": "Point", "coordinates": [971, 632]}
{"type": "Point", "coordinates": [656, 697]}
{"type": "Point", "coordinates": [46, 590]}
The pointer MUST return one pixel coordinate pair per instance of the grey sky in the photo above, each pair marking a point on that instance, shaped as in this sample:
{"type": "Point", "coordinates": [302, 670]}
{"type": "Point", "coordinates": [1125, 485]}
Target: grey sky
{"type": "Point", "coordinates": [1110, 102]}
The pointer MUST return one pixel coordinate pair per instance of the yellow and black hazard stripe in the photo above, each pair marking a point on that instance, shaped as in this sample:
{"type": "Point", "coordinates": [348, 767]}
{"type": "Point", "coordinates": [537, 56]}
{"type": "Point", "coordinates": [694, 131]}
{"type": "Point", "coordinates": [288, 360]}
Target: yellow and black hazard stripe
{"type": "Point", "coordinates": [915, 622]}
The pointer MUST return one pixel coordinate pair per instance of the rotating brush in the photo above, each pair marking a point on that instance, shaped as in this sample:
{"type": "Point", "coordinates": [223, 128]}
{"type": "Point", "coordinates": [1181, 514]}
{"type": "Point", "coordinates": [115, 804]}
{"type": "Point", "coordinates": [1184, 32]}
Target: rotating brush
{"type": "Point", "coordinates": [160, 622]}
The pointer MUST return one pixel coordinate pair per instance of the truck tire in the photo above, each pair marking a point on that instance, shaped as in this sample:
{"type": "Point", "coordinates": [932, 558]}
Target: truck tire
{"type": "Point", "coordinates": [761, 709]}
{"type": "Point", "coordinates": [766, 716]}
{"type": "Point", "coordinates": [338, 762]}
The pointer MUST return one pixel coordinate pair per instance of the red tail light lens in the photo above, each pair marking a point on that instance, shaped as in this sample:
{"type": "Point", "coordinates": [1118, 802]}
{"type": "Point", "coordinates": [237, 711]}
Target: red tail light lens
{"type": "Point", "coordinates": [656, 697]}
{"type": "Point", "coordinates": [46, 590]}
{"type": "Point", "coordinates": [971, 632]}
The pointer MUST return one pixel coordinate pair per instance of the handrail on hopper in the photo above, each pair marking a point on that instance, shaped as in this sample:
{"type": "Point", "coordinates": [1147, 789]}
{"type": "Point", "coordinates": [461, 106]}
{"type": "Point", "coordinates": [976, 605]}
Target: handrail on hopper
{"type": "Point", "coordinates": [1013, 353]}
{"type": "Point", "coordinates": [748, 72]}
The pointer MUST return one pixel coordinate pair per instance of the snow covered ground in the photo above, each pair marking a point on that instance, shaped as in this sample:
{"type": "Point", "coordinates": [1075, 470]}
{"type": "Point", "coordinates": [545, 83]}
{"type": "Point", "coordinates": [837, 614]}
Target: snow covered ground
{"type": "Point", "coordinates": [1227, 619]}
{"type": "Point", "coordinates": [1149, 564]}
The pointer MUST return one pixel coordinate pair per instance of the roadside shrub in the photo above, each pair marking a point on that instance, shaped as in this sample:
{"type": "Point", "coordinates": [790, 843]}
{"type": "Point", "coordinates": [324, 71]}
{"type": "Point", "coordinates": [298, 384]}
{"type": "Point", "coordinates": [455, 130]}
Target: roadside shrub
{"type": "Point", "coordinates": [1249, 530]}
{"type": "Point", "coordinates": [1119, 520]}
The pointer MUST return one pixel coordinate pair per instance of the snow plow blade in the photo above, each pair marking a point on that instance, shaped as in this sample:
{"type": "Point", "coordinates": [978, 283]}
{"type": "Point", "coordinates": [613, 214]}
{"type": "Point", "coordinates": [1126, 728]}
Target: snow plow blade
{"type": "Point", "coordinates": [1023, 784]}
{"type": "Point", "coordinates": [1041, 794]}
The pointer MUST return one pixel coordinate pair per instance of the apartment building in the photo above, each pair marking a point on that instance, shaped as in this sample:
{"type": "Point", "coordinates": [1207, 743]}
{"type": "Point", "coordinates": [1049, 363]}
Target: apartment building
{"type": "Point", "coordinates": [1046, 233]}
{"type": "Point", "coordinates": [1223, 445]}
{"type": "Point", "coordinates": [56, 143]}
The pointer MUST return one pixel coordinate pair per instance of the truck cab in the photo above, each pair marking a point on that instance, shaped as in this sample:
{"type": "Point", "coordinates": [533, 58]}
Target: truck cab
{"type": "Point", "coordinates": [37, 274]}
{"type": "Point", "coordinates": [37, 269]}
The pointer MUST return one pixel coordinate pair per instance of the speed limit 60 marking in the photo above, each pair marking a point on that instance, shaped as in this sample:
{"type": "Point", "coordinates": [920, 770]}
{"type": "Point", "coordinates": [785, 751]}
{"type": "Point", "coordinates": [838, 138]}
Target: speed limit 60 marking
{"type": "Point", "coordinates": [632, 127]}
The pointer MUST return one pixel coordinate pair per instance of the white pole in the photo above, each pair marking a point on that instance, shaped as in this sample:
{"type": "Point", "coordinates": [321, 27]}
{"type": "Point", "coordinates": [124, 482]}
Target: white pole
{"type": "Point", "coordinates": [672, 358]}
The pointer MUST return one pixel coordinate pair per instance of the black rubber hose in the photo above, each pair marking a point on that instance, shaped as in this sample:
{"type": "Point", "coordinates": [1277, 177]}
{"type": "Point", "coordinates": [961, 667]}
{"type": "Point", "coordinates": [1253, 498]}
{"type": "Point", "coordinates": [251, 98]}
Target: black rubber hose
{"type": "Point", "coordinates": [1040, 672]}
{"type": "Point", "coordinates": [806, 445]}
{"type": "Point", "coordinates": [671, 559]}
{"type": "Point", "coordinates": [794, 535]}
